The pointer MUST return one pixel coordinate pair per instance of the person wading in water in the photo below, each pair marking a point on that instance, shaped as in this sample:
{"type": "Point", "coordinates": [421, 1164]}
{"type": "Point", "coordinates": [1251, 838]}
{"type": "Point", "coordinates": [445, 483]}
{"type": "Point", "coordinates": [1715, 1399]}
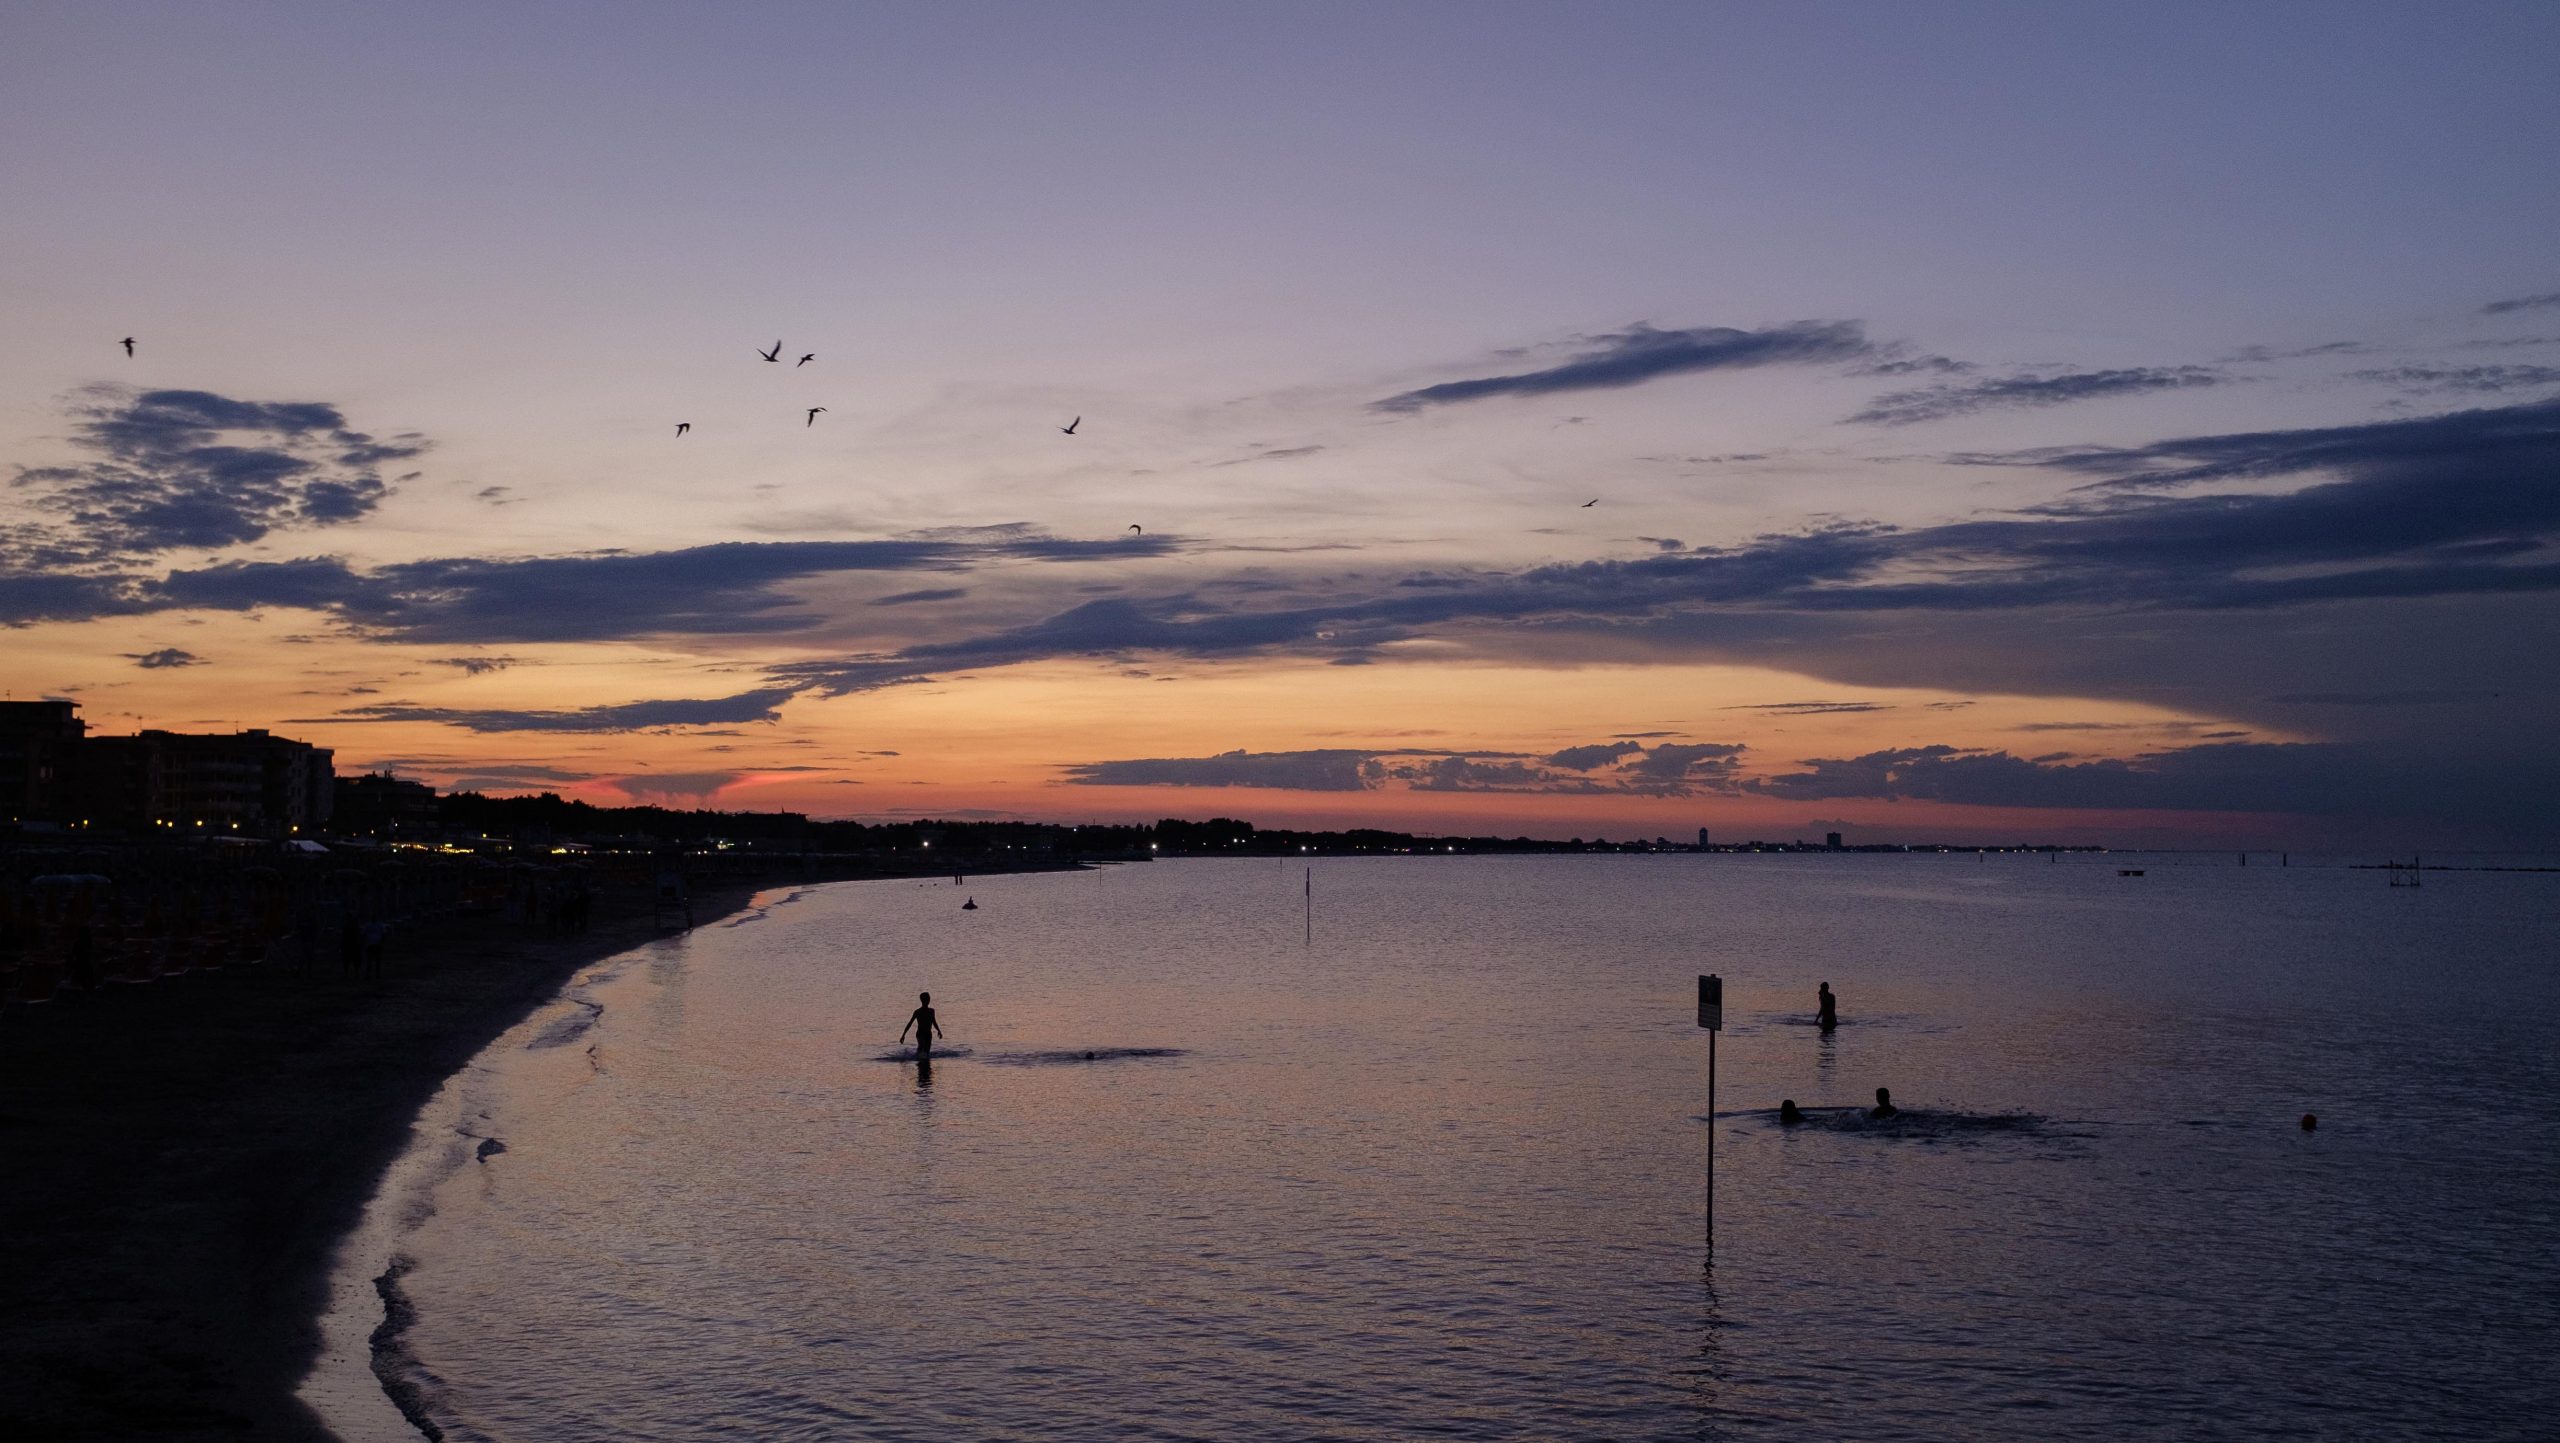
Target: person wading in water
{"type": "Point", "coordinates": [925, 1028]}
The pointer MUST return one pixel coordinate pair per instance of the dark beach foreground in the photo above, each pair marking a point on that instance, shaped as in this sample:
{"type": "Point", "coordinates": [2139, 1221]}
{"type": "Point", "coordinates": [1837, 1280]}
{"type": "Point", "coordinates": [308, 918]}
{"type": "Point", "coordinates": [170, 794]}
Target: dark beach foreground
{"type": "Point", "coordinates": [182, 1158]}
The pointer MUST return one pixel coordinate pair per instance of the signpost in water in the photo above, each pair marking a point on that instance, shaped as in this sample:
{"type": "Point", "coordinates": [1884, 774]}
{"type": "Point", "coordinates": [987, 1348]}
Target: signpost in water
{"type": "Point", "coordinates": [1711, 1017]}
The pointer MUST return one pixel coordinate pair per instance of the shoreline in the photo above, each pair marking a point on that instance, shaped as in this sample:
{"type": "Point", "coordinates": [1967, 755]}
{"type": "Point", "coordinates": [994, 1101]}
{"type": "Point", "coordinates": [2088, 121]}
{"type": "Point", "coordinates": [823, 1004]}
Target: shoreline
{"type": "Point", "coordinates": [187, 1158]}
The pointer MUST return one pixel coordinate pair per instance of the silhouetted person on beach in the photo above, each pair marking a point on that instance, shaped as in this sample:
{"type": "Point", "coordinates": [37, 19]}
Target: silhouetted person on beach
{"type": "Point", "coordinates": [1884, 1107]}
{"type": "Point", "coordinates": [1789, 1113]}
{"type": "Point", "coordinates": [1826, 1008]}
{"type": "Point", "coordinates": [925, 1028]}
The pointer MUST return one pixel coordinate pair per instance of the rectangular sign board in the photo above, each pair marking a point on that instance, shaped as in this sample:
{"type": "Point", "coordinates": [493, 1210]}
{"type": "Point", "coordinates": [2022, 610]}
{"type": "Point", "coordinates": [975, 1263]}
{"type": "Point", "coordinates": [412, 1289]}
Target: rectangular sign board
{"type": "Point", "coordinates": [1711, 1003]}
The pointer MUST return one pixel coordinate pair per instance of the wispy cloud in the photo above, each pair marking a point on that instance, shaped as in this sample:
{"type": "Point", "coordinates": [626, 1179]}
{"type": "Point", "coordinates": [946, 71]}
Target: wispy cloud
{"type": "Point", "coordinates": [1812, 708]}
{"type": "Point", "coordinates": [2435, 380]}
{"type": "Point", "coordinates": [1641, 353]}
{"type": "Point", "coordinates": [761, 705]}
{"type": "Point", "coordinates": [2432, 697]}
{"type": "Point", "coordinates": [2521, 303]}
{"type": "Point", "coordinates": [1935, 403]}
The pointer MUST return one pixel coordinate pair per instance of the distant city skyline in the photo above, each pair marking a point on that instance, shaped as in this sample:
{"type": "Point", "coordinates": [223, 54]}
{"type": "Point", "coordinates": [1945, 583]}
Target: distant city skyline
{"type": "Point", "coordinates": [2128, 427]}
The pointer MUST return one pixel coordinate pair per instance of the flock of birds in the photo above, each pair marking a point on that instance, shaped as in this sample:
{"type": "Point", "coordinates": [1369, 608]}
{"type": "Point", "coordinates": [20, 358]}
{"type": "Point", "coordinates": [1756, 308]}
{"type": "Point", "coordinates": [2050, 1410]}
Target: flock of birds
{"type": "Point", "coordinates": [814, 412]}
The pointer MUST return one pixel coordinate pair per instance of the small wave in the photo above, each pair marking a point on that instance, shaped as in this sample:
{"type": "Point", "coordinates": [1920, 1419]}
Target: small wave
{"type": "Point", "coordinates": [1082, 1055]}
{"type": "Point", "coordinates": [908, 1054]}
{"type": "Point", "coordinates": [1921, 1125]}
{"type": "Point", "coordinates": [567, 1029]}
{"type": "Point", "coordinates": [410, 1386]}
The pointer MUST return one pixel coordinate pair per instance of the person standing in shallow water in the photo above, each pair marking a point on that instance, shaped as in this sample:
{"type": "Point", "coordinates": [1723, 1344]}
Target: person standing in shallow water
{"type": "Point", "coordinates": [922, 1024]}
{"type": "Point", "coordinates": [1826, 1008]}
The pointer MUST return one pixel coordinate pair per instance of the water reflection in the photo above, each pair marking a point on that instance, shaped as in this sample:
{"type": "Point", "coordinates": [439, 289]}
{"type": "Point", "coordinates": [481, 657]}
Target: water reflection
{"type": "Point", "coordinates": [1440, 1179]}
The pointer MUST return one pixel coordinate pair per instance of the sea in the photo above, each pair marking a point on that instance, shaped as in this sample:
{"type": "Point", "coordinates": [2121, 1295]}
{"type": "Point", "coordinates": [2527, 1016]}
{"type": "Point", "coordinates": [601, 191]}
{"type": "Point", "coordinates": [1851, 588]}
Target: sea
{"type": "Point", "coordinates": [1420, 1148]}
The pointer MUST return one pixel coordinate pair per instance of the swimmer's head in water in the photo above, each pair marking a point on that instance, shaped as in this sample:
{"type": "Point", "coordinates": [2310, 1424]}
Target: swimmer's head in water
{"type": "Point", "coordinates": [2310, 1122]}
{"type": "Point", "coordinates": [1789, 1112]}
{"type": "Point", "coordinates": [1884, 1097]}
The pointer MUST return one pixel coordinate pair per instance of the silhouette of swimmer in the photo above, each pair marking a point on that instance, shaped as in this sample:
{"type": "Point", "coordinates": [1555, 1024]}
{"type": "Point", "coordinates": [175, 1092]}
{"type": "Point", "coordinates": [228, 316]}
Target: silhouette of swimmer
{"type": "Point", "coordinates": [2310, 1123]}
{"type": "Point", "coordinates": [925, 1028]}
{"type": "Point", "coordinates": [1826, 1007]}
{"type": "Point", "coordinates": [1789, 1113]}
{"type": "Point", "coordinates": [1884, 1107]}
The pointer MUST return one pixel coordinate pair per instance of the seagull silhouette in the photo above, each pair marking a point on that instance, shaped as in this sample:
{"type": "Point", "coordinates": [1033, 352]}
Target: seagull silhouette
{"type": "Point", "coordinates": [1587, 505]}
{"type": "Point", "coordinates": [804, 360]}
{"type": "Point", "coordinates": [1070, 427]}
{"type": "Point", "coordinates": [773, 355]}
{"type": "Point", "coordinates": [813, 414]}
{"type": "Point", "coordinates": [683, 426]}
{"type": "Point", "coordinates": [1134, 526]}
{"type": "Point", "coordinates": [128, 345]}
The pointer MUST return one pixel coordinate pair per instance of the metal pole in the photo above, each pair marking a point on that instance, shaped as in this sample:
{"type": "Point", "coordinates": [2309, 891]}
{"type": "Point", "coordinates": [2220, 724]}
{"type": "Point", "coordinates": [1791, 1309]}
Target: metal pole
{"type": "Point", "coordinates": [1711, 1141]}
{"type": "Point", "coordinates": [1311, 906]}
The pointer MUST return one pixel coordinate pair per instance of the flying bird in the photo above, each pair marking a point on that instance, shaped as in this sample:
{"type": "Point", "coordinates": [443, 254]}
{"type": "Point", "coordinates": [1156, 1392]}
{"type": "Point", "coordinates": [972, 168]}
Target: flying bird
{"type": "Point", "coordinates": [813, 414]}
{"type": "Point", "coordinates": [1070, 427]}
{"type": "Point", "coordinates": [683, 426]}
{"type": "Point", "coordinates": [773, 355]}
{"type": "Point", "coordinates": [1134, 526]}
{"type": "Point", "coordinates": [804, 360]}
{"type": "Point", "coordinates": [128, 345]}
{"type": "Point", "coordinates": [1587, 505]}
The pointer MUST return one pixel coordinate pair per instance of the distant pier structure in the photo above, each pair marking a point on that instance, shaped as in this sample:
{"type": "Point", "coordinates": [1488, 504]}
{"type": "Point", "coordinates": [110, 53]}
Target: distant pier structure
{"type": "Point", "coordinates": [1831, 840]}
{"type": "Point", "coordinates": [1702, 839]}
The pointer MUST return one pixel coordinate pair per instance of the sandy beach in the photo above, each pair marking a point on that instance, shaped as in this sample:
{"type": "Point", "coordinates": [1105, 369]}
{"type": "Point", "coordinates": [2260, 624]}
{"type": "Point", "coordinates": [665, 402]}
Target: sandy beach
{"type": "Point", "coordinates": [183, 1158]}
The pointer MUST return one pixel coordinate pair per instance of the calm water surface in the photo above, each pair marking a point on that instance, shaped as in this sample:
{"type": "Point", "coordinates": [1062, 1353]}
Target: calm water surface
{"type": "Point", "coordinates": [1440, 1173]}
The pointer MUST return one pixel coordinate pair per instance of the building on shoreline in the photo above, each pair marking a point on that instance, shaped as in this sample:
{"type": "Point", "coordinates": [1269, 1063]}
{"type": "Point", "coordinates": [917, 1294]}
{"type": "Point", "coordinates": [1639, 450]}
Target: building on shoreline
{"type": "Point", "coordinates": [156, 782]}
{"type": "Point", "coordinates": [37, 742]}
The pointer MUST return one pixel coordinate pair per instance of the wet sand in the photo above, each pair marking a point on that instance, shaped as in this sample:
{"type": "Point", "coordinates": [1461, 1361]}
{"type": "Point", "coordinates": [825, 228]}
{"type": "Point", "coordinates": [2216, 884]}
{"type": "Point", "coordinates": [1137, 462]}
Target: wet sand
{"type": "Point", "coordinates": [179, 1160]}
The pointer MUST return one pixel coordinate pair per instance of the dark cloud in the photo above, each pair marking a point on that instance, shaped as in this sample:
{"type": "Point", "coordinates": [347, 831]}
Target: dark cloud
{"type": "Point", "coordinates": [1324, 770]}
{"type": "Point", "coordinates": [2433, 380]}
{"type": "Point", "coordinates": [2310, 778]}
{"type": "Point", "coordinates": [2521, 303]}
{"type": "Point", "coordinates": [167, 656]}
{"type": "Point", "coordinates": [1598, 754]}
{"type": "Point", "coordinates": [2384, 698]}
{"type": "Point", "coordinates": [1623, 769]}
{"type": "Point", "coordinates": [1933, 403]}
{"type": "Point", "coordinates": [1812, 708]}
{"type": "Point", "coordinates": [1641, 353]}
{"type": "Point", "coordinates": [762, 705]}
{"type": "Point", "coordinates": [478, 665]}
{"type": "Point", "coordinates": [910, 598]}
{"type": "Point", "coordinates": [1902, 365]}
{"type": "Point", "coordinates": [726, 589]}
{"type": "Point", "coordinates": [516, 773]}
{"type": "Point", "coordinates": [171, 469]}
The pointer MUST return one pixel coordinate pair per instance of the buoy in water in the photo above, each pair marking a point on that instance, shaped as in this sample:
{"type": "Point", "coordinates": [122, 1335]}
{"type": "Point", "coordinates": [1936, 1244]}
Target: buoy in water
{"type": "Point", "coordinates": [969, 906]}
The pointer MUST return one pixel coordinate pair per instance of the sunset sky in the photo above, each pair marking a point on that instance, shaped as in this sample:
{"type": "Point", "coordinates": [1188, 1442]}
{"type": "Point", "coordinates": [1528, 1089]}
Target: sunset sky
{"type": "Point", "coordinates": [2121, 424]}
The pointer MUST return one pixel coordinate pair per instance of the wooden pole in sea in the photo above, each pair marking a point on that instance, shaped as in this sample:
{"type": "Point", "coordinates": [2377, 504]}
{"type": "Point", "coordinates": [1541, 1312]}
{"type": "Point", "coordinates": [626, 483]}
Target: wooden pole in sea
{"type": "Point", "coordinates": [1711, 1017]}
{"type": "Point", "coordinates": [1311, 906]}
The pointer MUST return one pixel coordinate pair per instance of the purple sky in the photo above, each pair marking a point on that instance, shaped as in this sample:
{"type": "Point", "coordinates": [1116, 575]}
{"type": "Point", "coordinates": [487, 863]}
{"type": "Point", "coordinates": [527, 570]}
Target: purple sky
{"type": "Point", "coordinates": [2189, 371]}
